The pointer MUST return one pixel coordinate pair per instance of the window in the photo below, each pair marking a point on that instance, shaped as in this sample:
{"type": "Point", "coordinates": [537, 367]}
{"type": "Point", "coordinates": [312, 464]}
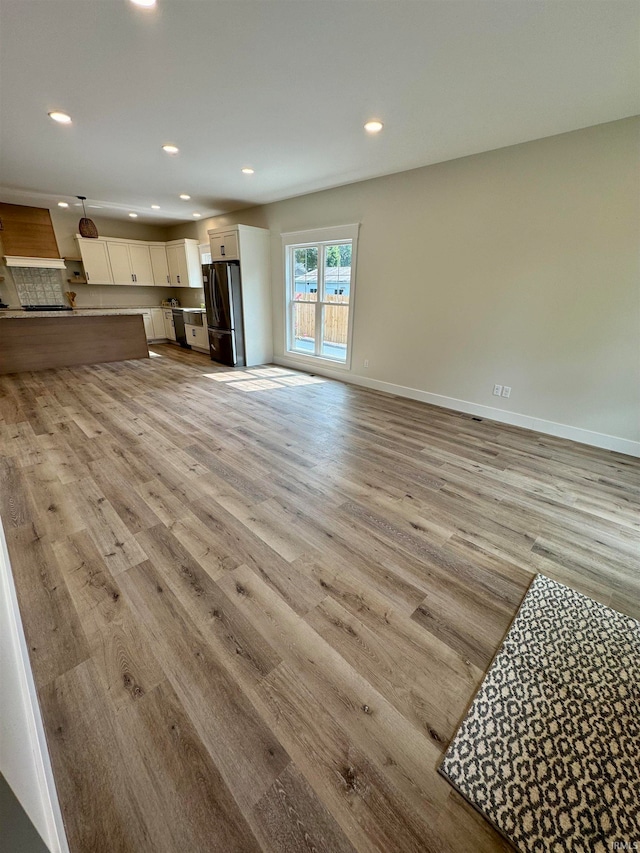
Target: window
{"type": "Point", "coordinates": [205, 253]}
{"type": "Point", "coordinates": [320, 277]}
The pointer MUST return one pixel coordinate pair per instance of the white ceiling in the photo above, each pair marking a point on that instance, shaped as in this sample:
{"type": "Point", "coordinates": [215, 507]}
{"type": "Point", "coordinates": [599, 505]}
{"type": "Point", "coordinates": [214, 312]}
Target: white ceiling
{"type": "Point", "coordinates": [285, 86]}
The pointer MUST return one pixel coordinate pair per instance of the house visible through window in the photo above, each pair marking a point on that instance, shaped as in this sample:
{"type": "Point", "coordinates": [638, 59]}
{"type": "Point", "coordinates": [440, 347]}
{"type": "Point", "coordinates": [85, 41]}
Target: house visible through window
{"type": "Point", "coordinates": [320, 272]}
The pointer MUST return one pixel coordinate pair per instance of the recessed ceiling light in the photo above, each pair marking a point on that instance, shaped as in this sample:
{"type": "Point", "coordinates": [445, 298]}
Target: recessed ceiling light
{"type": "Point", "coordinates": [145, 3]}
{"type": "Point", "coordinates": [133, 215]}
{"type": "Point", "coordinates": [170, 149]}
{"type": "Point", "coordinates": [248, 170]}
{"type": "Point", "coordinates": [155, 207]}
{"type": "Point", "coordinates": [63, 204]}
{"type": "Point", "coordinates": [62, 118]}
{"type": "Point", "coordinates": [184, 197]}
{"type": "Point", "coordinates": [197, 215]}
{"type": "Point", "coordinates": [373, 126]}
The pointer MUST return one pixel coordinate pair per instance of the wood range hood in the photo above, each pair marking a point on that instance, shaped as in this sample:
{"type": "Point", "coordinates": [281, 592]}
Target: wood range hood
{"type": "Point", "coordinates": [28, 238]}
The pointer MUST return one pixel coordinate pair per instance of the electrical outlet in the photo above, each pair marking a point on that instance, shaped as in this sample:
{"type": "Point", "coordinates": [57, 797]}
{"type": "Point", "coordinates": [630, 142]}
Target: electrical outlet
{"type": "Point", "coordinates": [497, 390]}
{"type": "Point", "coordinates": [506, 390]}
{"type": "Point", "coordinates": [366, 362]}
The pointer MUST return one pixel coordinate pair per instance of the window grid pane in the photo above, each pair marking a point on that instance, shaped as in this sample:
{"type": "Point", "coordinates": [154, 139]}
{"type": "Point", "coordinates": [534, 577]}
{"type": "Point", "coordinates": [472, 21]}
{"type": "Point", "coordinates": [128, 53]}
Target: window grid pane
{"type": "Point", "coordinates": [305, 272]}
{"type": "Point", "coordinates": [335, 330]}
{"type": "Point", "coordinates": [337, 272]}
{"type": "Point", "coordinates": [304, 327]}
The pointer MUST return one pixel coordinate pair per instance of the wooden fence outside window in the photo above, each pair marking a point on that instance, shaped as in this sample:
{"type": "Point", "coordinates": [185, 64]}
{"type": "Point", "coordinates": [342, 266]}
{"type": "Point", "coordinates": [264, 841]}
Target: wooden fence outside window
{"type": "Point", "coordinates": [336, 319]}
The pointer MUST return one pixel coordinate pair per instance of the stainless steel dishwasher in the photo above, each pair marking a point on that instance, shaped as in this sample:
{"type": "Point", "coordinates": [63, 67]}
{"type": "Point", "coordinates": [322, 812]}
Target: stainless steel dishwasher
{"type": "Point", "coordinates": [178, 324]}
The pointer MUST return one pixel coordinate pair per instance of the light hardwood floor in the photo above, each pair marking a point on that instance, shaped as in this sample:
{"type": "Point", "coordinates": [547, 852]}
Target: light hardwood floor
{"type": "Point", "coordinates": [258, 603]}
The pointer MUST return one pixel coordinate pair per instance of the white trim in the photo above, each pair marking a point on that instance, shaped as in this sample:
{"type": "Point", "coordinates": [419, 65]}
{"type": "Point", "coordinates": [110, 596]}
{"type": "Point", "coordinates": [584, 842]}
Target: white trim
{"type": "Point", "coordinates": [320, 235]}
{"type": "Point", "coordinates": [35, 263]}
{"type": "Point", "coordinates": [124, 240]}
{"type": "Point", "coordinates": [23, 709]}
{"type": "Point", "coordinates": [309, 363]}
{"type": "Point", "coordinates": [582, 436]}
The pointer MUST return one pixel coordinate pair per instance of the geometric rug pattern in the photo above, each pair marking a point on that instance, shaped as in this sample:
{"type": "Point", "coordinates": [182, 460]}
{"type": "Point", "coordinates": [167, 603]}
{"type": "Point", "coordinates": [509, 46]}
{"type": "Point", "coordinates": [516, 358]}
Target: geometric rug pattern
{"type": "Point", "coordinates": [549, 751]}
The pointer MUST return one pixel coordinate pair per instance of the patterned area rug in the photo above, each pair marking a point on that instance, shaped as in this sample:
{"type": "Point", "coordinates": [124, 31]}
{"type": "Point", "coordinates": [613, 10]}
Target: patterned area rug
{"type": "Point", "coordinates": [549, 751]}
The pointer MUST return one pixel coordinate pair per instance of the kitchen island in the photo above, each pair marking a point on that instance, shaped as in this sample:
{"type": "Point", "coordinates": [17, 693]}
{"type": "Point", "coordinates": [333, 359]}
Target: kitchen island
{"type": "Point", "coordinates": [49, 339]}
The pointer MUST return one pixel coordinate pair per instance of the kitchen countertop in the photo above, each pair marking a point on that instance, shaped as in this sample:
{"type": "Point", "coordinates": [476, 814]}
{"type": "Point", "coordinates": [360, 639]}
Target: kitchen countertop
{"type": "Point", "coordinates": [77, 312]}
{"type": "Point", "coordinates": [85, 312]}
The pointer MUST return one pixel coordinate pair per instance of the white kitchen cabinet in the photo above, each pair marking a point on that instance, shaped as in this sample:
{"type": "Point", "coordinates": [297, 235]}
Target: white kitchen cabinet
{"type": "Point", "coordinates": [159, 265]}
{"type": "Point", "coordinates": [197, 337]}
{"type": "Point", "coordinates": [183, 258]}
{"type": "Point", "coordinates": [154, 323]}
{"type": "Point", "coordinates": [140, 256]}
{"type": "Point", "coordinates": [195, 328]}
{"type": "Point", "coordinates": [111, 260]}
{"type": "Point", "coordinates": [120, 263]}
{"type": "Point", "coordinates": [252, 250]}
{"type": "Point", "coordinates": [130, 262]}
{"type": "Point", "coordinates": [224, 245]}
{"type": "Point", "coordinates": [148, 324]}
{"type": "Point", "coordinates": [95, 260]}
{"type": "Point", "coordinates": [177, 265]}
{"type": "Point", "coordinates": [169, 328]}
{"type": "Point", "coordinates": [157, 321]}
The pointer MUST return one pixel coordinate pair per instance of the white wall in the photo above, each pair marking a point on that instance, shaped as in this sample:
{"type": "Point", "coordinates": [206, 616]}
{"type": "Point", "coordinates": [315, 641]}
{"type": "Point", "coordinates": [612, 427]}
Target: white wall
{"type": "Point", "coordinates": [24, 759]}
{"type": "Point", "coordinates": [518, 266]}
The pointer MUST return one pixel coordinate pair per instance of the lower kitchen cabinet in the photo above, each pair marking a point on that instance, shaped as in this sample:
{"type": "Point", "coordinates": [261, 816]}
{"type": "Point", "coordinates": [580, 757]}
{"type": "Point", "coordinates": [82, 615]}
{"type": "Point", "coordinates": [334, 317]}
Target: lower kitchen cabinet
{"type": "Point", "coordinates": [197, 337]}
{"type": "Point", "coordinates": [148, 324]}
{"type": "Point", "coordinates": [169, 328]}
{"type": "Point", "coordinates": [154, 324]}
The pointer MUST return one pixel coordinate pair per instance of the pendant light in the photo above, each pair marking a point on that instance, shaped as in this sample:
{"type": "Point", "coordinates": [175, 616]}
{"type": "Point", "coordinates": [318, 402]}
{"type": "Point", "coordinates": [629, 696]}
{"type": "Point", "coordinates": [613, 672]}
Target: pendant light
{"type": "Point", "coordinates": [86, 227]}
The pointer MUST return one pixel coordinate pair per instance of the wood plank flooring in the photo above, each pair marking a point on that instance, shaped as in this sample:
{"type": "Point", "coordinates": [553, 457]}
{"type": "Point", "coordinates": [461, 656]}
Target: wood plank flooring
{"type": "Point", "coordinates": [258, 603]}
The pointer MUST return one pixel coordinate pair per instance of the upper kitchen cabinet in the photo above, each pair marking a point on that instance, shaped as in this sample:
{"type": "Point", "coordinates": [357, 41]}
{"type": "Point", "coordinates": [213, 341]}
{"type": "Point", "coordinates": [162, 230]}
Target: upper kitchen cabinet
{"type": "Point", "coordinates": [130, 262]}
{"type": "Point", "coordinates": [110, 260]}
{"type": "Point", "coordinates": [159, 264]}
{"type": "Point", "coordinates": [140, 257]}
{"type": "Point", "coordinates": [95, 260]}
{"type": "Point", "coordinates": [183, 258]}
{"type": "Point", "coordinates": [224, 245]}
{"type": "Point", "coordinates": [177, 264]}
{"type": "Point", "coordinates": [120, 264]}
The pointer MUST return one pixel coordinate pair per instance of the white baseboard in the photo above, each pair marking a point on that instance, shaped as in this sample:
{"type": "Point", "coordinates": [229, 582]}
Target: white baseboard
{"type": "Point", "coordinates": [24, 758]}
{"type": "Point", "coordinates": [583, 436]}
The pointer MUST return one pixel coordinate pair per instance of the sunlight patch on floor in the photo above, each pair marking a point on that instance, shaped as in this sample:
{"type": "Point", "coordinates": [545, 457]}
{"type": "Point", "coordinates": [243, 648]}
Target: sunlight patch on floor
{"type": "Point", "coordinates": [229, 377]}
{"type": "Point", "coordinates": [264, 378]}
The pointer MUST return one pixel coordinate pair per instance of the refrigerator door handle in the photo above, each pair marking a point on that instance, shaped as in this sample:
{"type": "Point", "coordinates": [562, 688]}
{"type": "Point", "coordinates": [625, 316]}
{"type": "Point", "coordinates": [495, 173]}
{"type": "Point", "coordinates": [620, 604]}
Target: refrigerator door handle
{"type": "Point", "coordinates": [213, 290]}
{"type": "Point", "coordinates": [232, 324]}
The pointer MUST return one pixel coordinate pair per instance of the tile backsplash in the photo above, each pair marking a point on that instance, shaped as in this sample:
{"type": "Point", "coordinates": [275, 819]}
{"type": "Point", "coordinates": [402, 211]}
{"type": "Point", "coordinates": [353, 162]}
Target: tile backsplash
{"type": "Point", "coordinates": [38, 286]}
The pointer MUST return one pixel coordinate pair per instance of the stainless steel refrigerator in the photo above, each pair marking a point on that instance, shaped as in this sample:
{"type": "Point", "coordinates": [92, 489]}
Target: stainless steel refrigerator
{"type": "Point", "coordinates": [223, 300]}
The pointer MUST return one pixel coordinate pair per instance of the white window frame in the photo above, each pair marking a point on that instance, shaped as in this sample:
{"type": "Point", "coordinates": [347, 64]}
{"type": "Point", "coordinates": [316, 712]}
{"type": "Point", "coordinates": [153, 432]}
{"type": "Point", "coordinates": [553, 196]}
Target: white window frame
{"type": "Point", "coordinates": [306, 240]}
{"type": "Point", "coordinates": [205, 253]}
